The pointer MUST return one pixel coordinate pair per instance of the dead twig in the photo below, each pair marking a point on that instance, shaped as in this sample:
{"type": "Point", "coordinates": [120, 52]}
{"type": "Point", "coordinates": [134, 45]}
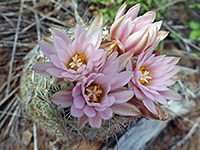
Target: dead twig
{"type": "Point", "coordinates": [186, 41]}
{"type": "Point", "coordinates": [169, 4]}
{"type": "Point", "coordinates": [188, 136]}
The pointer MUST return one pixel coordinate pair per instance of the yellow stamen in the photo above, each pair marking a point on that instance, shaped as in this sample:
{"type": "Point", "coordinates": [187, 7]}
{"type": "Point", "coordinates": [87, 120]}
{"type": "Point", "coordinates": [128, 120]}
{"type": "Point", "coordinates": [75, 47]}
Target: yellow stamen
{"type": "Point", "coordinates": [94, 92]}
{"type": "Point", "coordinates": [145, 76]}
{"type": "Point", "coordinates": [77, 61]}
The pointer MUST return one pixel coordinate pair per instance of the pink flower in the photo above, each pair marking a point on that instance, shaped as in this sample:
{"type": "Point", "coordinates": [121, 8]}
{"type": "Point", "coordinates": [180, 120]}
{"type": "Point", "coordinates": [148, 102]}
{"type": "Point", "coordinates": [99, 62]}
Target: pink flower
{"type": "Point", "coordinates": [152, 76]}
{"type": "Point", "coordinates": [100, 95]}
{"type": "Point", "coordinates": [71, 59]}
{"type": "Point", "coordinates": [132, 33]}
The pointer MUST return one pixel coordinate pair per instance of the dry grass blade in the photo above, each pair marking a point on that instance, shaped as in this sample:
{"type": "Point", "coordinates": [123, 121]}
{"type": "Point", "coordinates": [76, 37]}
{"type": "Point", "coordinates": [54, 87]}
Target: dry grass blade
{"type": "Point", "coordinates": [35, 136]}
{"type": "Point", "coordinates": [9, 95]}
{"type": "Point", "coordinates": [6, 117]}
{"type": "Point", "coordinates": [11, 121]}
{"type": "Point", "coordinates": [14, 47]}
{"type": "Point", "coordinates": [37, 22]}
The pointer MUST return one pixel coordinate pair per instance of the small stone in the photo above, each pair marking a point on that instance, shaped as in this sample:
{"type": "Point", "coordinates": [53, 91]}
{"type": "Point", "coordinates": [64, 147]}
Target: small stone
{"type": "Point", "coordinates": [26, 138]}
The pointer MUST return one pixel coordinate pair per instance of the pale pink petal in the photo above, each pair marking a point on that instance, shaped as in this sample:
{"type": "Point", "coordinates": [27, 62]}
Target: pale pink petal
{"type": "Point", "coordinates": [79, 102]}
{"type": "Point", "coordinates": [120, 45]}
{"type": "Point", "coordinates": [123, 79]}
{"type": "Point", "coordinates": [106, 114]}
{"type": "Point", "coordinates": [89, 111]}
{"type": "Point", "coordinates": [117, 28]}
{"type": "Point", "coordinates": [100, 79]}
{"type": "Point", "coordinates": [59, 44]}
{"type": "Point", "coordinates": [82, 121]}
{"type": "Point", "coordinates": [63, 56]}
{"type": "Point", "coordinates": [141, 45]}
{"type": "Point", "coordinates": [134, 39]}
{"type": "Point", "coordinates": [127, 30]}
{"type": "Point", "coordinates": [123, 60]}
{"type": "Point", "coordinates": [169, 94]}
{"type": "Point", "coordinates": [120, 11]}
{"type": "Point", "coordinates": [79, 30]}
{"type": "Point", "coordinates": [152, 30]}
{"type": "Point", "coordinates": [146, 92]}
{"type": "Point", "coordinates": [125, 109]}
{"type": "Point", "coordinates": [149, 104]}
{"type": "Point", "coordinates": [111, 101]}
{"type": "Point", "coordinates": [159, 98]}
{"type": "Point", "coordinates": [42, 66]}
{"type": "Point", "coordinates": [138, 93]}
{"type": "Point", "coordinates": [157, 88]}
{"type": "Point", "coordinates": [89, 51]}
{"type": "Point", "coordinates": [47, 49]}
{"type": "Point", "coordinates": [61, 33]}
{"type": "Point", "coordinates": [144, 20]}
{"type": "Point", "coordinates": [99, 108]}
{"type": "Point", "coordinates": [94, 38]}
{"type": "Point", "coordinates": [62, 98]}
{"type": "Point", "coordinates": [158, 24]}
{"type": "Point", "coordinates": [55, 60]}
{"type": "Point", "coordinates": [170, 74]}
{"type": "Point", "coordinates": [161, 35]}
{"type": "Point", "coordinates": [95, 122]}
{"type": "Point", "coordinates": [76, 112]}
{"type": "Point", "coordinates": [122, 96]}
{"type": "Point", "coordinates": [55, 72]}
{"type": "Point", "coordinates": [82, 43]}
{"type": "Point", "coordinates": [76, 90]}
{"type": "Point", "coordinates": [98, 58]}
{"type": "Point", "coordinates": [96, 23]}
{"type": "Point", "coordinates": [112, 68]}
{"type": "Point", "coordinates": [111, 78]}
{"type": "Point", "coordinates": [133, 12]}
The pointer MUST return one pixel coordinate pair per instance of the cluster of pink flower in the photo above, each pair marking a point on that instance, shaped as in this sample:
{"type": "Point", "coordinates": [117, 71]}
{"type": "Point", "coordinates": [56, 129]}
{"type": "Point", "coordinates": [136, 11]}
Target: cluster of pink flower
{"type": "Point", "coordinates": [121, 75]}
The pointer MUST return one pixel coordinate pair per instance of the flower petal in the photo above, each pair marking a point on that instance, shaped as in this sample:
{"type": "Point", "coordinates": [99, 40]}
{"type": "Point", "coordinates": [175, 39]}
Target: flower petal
{"type": "Point", "coordinates": [169, 94]}
{"type": "Point", "coordinates": [62, 98]}
{"type": "Point", "coordinates": [61, 33]}
{"type": "Point", "coordinates": [79, 30]}
{"type": "Point", "coordinates": [76, 112]}
{"type": "Point", "coordinates": [125, 109]}
{"type": "Point", "coordinates": [89, 111]}
{"type": "Point", "coordinates": [122, 95]}
{"type": "Point", "coordinates": [123, 78]}
{"type": "Point", "coordinates": [117, 28]}
{"type": "Point", "coordinates": [120, 11]}
{"type": "Point", "coordinates": [133, 12]}
{"type": "Point", "coordinates": [42, 66]}
{"type": "Point", "coordinates": [82, 121]}
{"type": "Point", "coordinates": [106, 114]}
{"type": "Point", "coordinates": [123, 60]}
{"type": "Point", "coordinates": [79, 102]}
{"type": "Point", "coordinates": [96, 23]}
{"type": "Point", "coordinates": [76, 90]}
{"type": "Point", "coordinates": [47, 49]}
{"type": "Point", "coordinates": [60, 44]}
{"type": "Point", "coordinates": [95, 122]}
{"type": "Point", "coordinates": [149, 104]}
{"type": "Point", "coordinates": [94, 38]}
{"type": "Point", "coordinates": [55, 72]}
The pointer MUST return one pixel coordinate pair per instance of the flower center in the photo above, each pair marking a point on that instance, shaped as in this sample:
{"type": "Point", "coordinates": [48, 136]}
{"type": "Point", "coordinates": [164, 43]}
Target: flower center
{"type": "Point", "coordinates": [77, 61]}
{"type": "Point", "coordinates": [145, 77]}
{"type": "Point", "coordinates": [94, 92]}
